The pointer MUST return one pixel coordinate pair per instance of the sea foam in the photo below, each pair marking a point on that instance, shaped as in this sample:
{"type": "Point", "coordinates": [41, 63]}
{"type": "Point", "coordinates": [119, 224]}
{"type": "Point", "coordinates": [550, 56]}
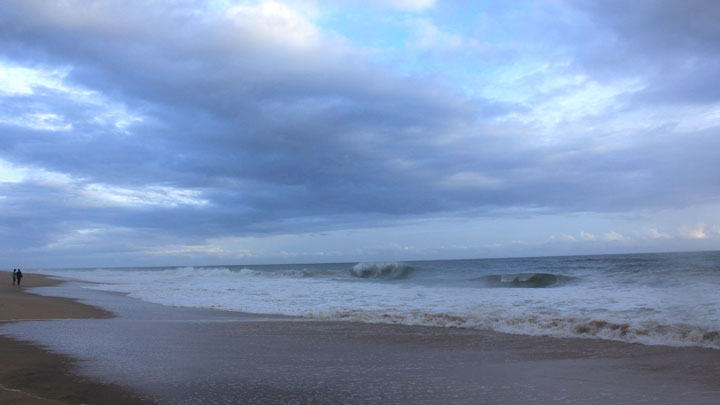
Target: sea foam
{"type": "Point", "coordinates": [645, 301]}
{"type": "Point", "coordinates": [388, 271]}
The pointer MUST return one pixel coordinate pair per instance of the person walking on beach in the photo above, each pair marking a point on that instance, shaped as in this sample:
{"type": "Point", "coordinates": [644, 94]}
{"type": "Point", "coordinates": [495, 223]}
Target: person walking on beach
{"type": "Point", "coordinates": [14, 276]}
{"type": "Point", "coordinates": [19, 276]}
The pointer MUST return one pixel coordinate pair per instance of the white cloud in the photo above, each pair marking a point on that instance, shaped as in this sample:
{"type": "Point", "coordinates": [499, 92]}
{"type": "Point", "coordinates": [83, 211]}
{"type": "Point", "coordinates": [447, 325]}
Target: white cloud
{"type": "Point", "coordinates": [16, 80]}
{"type": "Point", "coordinates": [587, 236]}
{"type": "Point", "coordinates": [654, 233]}
{"type": "Point", "coordinates": [573, 98]}
{"type": "Point", "coordinates": [10, 173]}
{"type": "Point", "coordinates": [275, 22]}
{"type": "Point", "coordinates": [407, 5]}
{"type": "Point", "coordinates": [613, 236]}
{"type": "Point", "coordinates": [694, 232]}
{"type": "Point", "coordinates": [683, 118]}
{"type": "Point", "coordinates": [98, 194]}
{"type": "Point", "coordinates": [19, 80]}
{"type": "Point", "coordinates": [106, 195]}
{"type": "Point", "coordinates": [77, 238]}
{"type": "Point", "coordinates": [562, 238]}
{"type": "Point", "coordinates": [39, 121]}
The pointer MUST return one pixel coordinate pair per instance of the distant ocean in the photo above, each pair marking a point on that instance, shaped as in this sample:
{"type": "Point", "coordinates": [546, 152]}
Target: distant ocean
{"type": "Point", "coordinates": [668, 298]}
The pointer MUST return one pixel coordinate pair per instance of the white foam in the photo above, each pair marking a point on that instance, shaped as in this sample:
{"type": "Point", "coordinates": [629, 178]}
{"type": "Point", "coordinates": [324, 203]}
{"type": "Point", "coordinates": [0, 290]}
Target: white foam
{"type": "Point", "coordinates": [389, 271]}
{"type": "Point", "coordinates": [629, 312]}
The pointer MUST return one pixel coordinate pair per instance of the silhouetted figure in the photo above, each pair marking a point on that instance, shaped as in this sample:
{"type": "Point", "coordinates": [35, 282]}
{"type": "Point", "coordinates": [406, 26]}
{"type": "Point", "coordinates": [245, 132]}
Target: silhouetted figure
{"type": "Point", "coordinates": [19, 276]}
{"type": "Point", "coordinates": [14, 276]}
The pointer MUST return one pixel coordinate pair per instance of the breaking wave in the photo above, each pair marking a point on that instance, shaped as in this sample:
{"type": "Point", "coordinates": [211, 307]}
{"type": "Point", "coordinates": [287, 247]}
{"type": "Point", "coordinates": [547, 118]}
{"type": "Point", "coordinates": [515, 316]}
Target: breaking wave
{"type": "Point", "coordinates": [525, 280]}
{"type": "Point", "coordinates": [302, 273]}
{"type": "Point", "coordinates": [385, 271]}
{"type": "Point", "coordinates": [672, 301]}
{"type": "Point", "coordinates": [649, 333]}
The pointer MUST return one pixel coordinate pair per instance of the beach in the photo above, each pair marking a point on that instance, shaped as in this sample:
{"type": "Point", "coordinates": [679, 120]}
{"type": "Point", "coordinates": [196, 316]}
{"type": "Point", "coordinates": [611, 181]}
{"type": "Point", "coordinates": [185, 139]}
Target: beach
{"type": "Point", "coordinates": [31, 375]}
{"type": "Point", "coordinates": [154, 353]}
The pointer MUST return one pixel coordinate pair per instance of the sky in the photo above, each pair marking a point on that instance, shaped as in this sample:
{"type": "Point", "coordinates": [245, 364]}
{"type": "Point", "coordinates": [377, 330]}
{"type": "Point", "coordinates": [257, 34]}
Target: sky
{"type": "Point", "coordinates": [140, 133]}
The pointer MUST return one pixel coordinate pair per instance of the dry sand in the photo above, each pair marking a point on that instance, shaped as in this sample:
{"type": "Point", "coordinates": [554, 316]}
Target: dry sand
{"type": "Point", "coordinates": [31, 375]}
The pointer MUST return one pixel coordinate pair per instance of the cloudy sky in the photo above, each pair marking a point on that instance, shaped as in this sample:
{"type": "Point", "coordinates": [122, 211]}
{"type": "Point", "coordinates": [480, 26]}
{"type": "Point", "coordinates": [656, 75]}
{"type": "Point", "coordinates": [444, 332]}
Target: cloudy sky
{"type": "Point", "coordinates": [227, 132]}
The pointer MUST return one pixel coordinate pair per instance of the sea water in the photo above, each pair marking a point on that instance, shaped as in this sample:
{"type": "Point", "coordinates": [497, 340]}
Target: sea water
{"type": "Point", "coordinates": [668, 298]}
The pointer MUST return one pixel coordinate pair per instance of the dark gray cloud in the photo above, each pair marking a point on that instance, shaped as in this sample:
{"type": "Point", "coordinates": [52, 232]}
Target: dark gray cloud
{"type": "Point", "coordinates": [675, 44]}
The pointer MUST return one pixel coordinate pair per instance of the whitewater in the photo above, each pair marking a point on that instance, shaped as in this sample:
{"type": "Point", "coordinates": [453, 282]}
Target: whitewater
{"type": "Point", "coordinates": [668, 298]}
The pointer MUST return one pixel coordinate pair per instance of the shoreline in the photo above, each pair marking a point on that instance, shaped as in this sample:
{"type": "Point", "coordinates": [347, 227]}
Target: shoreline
{"type": "Point", "coordinates": [30, 374]}
{"type": "Point", "coordinates": [226, 357]}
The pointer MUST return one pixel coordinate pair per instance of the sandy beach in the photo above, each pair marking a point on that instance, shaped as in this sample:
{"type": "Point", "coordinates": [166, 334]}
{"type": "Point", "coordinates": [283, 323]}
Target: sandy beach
{"type": "Point", "coordinates": [149, 352]}
{"type": "Point", "coordinates": [31, 375]}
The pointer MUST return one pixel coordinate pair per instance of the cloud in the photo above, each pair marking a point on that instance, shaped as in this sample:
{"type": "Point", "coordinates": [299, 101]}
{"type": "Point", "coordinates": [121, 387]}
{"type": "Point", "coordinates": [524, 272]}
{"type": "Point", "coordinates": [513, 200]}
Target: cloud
{"type": "Point", "coordinates": [201, 122]}
{"type": "Point", "coordinates": [194, 250]}
{"type": "Point", "coordinates": [588, 236]}
{"type": "Point", "coordinates": [562, 238]}
{"type": "Point", "coordinates": [674, 43]}
{"type": "Point", "coordinates": [470, 180]}
{"type": "Point", "coordinates": [408, 5]}
{"type": "Point", "coordinates": [149, 196]}
{"type": "Point", "coordinates": [654, 233]}
{"type": "Point", "coordinates": [613, 236]}
{"type": "Point", "coordinates": [274, 21]}
{"type": "Point", "coordinates": [697, 231]}
{"type": "Point", "coordinates": [19, 80]}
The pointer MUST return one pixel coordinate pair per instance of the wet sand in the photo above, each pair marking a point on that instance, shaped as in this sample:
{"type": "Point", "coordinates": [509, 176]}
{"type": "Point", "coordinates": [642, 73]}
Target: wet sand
{"type": "Point", "coordinates": [193, 356]}
{"type": "Point", "coordinates": [32, 375]}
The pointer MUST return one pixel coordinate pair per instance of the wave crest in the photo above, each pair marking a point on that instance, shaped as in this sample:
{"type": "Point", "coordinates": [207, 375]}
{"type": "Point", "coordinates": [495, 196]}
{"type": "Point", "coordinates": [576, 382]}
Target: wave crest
{"type": "Point", "coordinates": [300, 273]}
{"type": "Point", "coordinates": [385, 271]}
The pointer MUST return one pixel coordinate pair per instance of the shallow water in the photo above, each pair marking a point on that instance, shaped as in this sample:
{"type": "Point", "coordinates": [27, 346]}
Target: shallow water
{"type": "Point", "coordinates": [190, 356]}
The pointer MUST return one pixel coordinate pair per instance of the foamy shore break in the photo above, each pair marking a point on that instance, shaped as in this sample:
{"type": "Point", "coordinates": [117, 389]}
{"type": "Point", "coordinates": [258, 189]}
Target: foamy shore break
{"type": "Point", "coordinates": [656, 299]}
{"type": "Point", "coordinates": [153, 353]}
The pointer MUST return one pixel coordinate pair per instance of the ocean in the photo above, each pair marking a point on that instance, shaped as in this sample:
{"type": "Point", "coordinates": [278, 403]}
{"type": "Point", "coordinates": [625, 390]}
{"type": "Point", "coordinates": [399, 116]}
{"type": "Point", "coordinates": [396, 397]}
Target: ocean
{"type": "Point", "coordinates": [666, 298]}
